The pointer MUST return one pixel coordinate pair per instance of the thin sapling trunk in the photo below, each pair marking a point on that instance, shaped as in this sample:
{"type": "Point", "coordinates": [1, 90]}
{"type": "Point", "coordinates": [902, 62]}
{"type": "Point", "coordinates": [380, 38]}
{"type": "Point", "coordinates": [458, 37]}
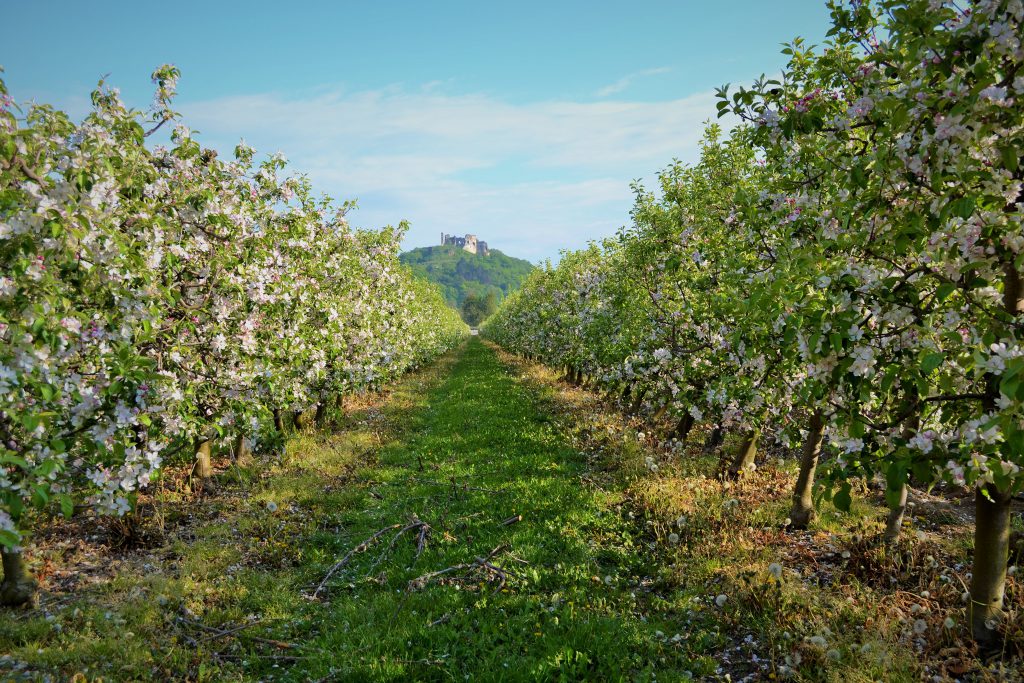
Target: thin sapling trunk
{"type": "Point", "coordinates": [802, 512]}
{"type": "Point", "coordinates": [745, 454]}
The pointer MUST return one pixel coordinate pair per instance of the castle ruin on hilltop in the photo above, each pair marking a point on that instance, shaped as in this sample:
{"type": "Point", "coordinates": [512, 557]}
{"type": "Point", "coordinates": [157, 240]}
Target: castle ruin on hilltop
{"type": "Point", "coordinates": [470, 243]}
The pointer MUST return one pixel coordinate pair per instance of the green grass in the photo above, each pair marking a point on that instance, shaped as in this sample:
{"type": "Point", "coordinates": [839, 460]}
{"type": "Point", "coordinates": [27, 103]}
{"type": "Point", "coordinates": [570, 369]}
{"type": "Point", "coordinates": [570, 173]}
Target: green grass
{"type": "Point", "coordinates": [461, 447]}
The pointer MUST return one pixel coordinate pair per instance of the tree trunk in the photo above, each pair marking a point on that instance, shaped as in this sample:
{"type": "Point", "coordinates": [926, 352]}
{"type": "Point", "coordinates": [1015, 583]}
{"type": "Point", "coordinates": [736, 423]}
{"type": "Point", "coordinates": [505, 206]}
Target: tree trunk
{"type": "Point", "coordinates": [278, 421]}
{"type": "Point", "coordinates": [202, 470]}
{"type": "Point", "coordinates": [321, 414]}
{"type": "Point", "coordinates": [714, 439]}
{"type": "Point", "coordinates": [991, 549]}
{"type": "Point", "coordinates": [898, 502]}
{"type": "Point", "coordinates": [243, 454]}
{"type": "Point", "coordinates": [684, 427]}
{"type": "Point", "coordinates": [992, 517]}
{"type": "Point", "coordinates": [18, 586]}
{"type": "Point", "coordinates": [802, 512]}
{"type": "Point", "coordinates": [745, 454]}
{"type": "Point", "coordinates": [894, 522]}
{"type": "Point", "coordinates": [297, 420]}
{"type": "Point", "coordinates": [638, 400]}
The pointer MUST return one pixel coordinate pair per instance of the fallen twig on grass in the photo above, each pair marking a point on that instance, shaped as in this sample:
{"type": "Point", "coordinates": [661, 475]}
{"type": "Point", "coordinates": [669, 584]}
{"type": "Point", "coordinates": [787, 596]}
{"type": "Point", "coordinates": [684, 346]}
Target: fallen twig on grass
{"type": "Point", "coordinates": [512, 520]}
{"type": "Point", "coordinates": [228, 632]}
{"type": "Point", "coordinates": [348, 556]}
{"type": "Point", "coordinates": [220, 632]}
{"type": "Point", "coordinates": [480, 563]}
{"type": "Point", "coordinates": [421, 542]}
{"type": "Point", "coordinates": [441, 620]}
{"type": "Point", "coordinates": [415, 524]}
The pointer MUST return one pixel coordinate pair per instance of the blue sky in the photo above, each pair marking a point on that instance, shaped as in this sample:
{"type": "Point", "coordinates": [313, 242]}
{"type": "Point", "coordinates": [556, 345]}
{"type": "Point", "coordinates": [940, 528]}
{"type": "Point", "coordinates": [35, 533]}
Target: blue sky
{"type": "Point", "coordinates": [521, 122]}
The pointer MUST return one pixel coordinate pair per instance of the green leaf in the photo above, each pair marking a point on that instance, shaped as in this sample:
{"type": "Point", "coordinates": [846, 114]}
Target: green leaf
{"type": "Point", "coordinates": [40, 496]}
{"type": "Point", "coordinates": [1009, 386]}
{"type": "Point", "coordinates": [11, 459]}
{"type": "Point", "coordinates": [8, 539]}
{"type": "Point", "coordinates": [67, 505]}
{"type": "Point", "coordinates": [30, 422]}
{"type": "Point", "coordinates": [1009, 155]}
{"type": "Point", "coordinates": [944, 290]}
{"type": "Point", "coordinates": [931, 361]}
{"type": "Point", "coordinates": [963, 207]}
{"type": "Point", "coordinates": [889, 378]}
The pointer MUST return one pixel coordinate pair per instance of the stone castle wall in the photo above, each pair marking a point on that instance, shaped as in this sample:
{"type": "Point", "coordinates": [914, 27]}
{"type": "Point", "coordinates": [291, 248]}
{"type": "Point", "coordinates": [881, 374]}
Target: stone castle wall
{"type": "Point", "coordinates": [470, 243]}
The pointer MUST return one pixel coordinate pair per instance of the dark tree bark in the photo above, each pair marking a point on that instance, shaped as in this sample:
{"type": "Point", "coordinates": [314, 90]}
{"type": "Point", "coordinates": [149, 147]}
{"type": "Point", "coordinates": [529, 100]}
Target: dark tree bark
{"type": "Point", "coordinates": [638, 400]}
{"type": "Point", "coordinates": [715, 439]}
{"type": "Point", "coordinates": [18, 587]}
{"type": "Point", "coordinates": [684, 427]}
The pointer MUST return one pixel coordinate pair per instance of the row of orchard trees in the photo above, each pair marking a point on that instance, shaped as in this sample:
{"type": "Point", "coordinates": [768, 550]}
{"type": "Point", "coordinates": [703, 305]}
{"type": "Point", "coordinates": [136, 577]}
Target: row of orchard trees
{"type": "Point", "coordinates": [843, 268]}
{"type": "Point", "coordinates": [154, 299]}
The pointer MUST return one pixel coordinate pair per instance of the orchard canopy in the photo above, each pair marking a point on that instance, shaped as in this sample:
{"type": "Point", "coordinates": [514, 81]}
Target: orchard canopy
{"type": "Point", "coordinates": [154, 297]}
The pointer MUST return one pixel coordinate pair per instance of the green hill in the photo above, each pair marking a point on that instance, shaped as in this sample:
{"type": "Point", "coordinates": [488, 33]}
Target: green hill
{"type": "Point", "coordinates": [460, 273]}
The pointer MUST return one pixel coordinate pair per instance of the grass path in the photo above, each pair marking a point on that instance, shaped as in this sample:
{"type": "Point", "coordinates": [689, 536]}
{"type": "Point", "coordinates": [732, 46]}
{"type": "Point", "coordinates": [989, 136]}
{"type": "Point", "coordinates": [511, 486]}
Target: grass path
{"type": "Point", "coordinates": [461, 447]}
{"type": "Point", "coordinates": [479, 449]}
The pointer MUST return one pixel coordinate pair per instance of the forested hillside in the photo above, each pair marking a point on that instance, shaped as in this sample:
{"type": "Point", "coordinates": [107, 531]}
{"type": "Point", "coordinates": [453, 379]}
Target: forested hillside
{"type": "Point", "coordinates": [460, 273]}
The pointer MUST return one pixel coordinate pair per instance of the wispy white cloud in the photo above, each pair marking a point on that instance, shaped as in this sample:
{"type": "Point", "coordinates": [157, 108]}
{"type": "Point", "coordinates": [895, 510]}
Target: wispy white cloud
{"type": "Point", "coordinates": [627, 80]}
{"type": "Point", "coordinates": [528, 178]}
